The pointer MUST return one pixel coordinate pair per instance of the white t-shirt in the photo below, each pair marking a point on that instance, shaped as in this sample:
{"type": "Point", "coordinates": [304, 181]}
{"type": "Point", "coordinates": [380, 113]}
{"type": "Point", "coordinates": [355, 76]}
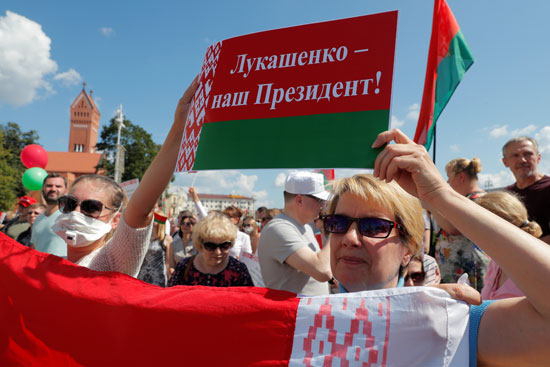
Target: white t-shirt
{"type": "Point", "coordinates": [242, 243]}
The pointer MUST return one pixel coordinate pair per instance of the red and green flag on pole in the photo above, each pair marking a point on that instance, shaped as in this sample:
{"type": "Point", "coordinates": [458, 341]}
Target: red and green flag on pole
{"type": "Point", "coordinates": [449, 58]}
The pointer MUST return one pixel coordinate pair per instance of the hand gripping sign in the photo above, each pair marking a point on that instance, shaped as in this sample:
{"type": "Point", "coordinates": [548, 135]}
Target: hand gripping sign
{"type": "Point", "coordinates": [308, 96]}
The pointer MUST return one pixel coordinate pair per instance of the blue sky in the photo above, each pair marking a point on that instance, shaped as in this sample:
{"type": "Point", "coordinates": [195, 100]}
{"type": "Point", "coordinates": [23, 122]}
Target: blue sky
{"type": "Point", "coordinates": [144, 54]}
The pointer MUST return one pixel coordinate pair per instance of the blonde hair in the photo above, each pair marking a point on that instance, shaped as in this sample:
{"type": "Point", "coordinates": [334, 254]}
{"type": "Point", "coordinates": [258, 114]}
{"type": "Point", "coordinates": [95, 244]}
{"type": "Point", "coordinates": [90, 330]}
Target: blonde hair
{"type": "Point", "coordinates": [161, 231]}
{"type": "Point", "coordinates": [406, 209]}
{"type": "Point", "coordinates": [215, 226]}
{"type": "Point", "coordinates": [459, 165]}
{"type": "Point", "coordinates": [509, 207]}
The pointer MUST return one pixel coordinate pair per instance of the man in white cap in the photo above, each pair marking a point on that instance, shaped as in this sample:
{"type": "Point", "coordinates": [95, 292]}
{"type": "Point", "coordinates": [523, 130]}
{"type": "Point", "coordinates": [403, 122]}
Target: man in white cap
{"type": "Point", "coordinates": [289, 255]}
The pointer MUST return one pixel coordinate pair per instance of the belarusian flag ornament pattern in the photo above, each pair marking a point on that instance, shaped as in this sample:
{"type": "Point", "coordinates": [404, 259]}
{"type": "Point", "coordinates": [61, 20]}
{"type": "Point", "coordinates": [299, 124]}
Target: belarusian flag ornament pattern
{"type": "Point", "coordinates": [195, 117]}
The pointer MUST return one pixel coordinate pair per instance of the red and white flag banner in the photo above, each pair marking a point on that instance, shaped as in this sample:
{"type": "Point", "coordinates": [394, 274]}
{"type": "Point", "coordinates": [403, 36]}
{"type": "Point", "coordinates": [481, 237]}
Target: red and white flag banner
{"type": "Point", "coordinates": [55, 313]}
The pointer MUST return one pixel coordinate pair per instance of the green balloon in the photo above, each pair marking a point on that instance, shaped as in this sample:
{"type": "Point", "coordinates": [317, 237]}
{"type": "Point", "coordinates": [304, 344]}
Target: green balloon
{"type": "Point", "coordinates": [33, 178]}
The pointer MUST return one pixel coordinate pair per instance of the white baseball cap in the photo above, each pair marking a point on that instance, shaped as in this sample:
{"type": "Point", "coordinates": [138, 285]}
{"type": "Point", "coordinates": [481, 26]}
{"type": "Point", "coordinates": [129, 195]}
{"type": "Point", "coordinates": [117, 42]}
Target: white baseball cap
{"type": "Point", "coordinates": [306, 183]}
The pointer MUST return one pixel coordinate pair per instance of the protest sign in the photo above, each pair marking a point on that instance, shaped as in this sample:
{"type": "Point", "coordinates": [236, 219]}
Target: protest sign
{"type": "Point", "coordinates": [301, 97]}
{"type": "Point", "coordinates": [130, 186]}
{"type": "Point", "coordinates": [253, 265]}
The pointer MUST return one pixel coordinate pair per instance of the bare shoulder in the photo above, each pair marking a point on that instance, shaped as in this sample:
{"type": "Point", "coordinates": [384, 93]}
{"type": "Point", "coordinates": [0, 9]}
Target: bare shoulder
{"type": "Point", "coordinates": [513, 333]}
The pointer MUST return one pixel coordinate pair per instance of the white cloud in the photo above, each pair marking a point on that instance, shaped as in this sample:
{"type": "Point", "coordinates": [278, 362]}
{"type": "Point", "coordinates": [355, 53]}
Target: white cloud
{"type": "Point", "coordinates": [523, 131]}
{"type": "Point", "coordinates": [280, 180]}
{"type": "Point", "coordinates": [348, 172]}
{"type": "Point", "coordinates": [222, 182]}
{"type": "Point", "coordinates": [414, 112]}
{"type": "Point", "coordinates": [107, 31]}
{"type": "Point", "coordinates": [496, 180]}
{"type": "Point", "coordinates": [455, 148]}
{"type": "Point", "coordinates": [24, 60]}
{"type": "Point", "coordinates": [395, 122]}
{"type": "Point", "coordinates": [97, 101]}
{"type": "Point", "coordinates": [502, 131]}
{"type": "Point", "coordinates": [543, 138]}
{"type": "Point", "coordinates": [69, 78]}
{"type": "Point", "coordinates": [498, 132]}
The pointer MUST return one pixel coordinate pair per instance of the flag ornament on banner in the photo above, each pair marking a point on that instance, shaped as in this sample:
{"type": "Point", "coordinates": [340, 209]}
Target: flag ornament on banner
{"type": "Point", "coordinates": [90, 318]}
{"type": "Point", "coordinates": [449, 58]}
{"type": "Point", "coordinates": [318, 85]}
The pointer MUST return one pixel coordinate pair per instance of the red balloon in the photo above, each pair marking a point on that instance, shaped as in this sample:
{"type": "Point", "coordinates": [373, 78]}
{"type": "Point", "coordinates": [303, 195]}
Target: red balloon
{"type": "Point", "coordinates": [34, 155]}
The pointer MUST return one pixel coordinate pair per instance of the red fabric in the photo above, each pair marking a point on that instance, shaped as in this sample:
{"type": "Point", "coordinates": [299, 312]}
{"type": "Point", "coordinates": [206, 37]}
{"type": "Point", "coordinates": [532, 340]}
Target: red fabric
{"type": "Point", "coordinates": [444, 28]}
{"type": "Point", "coordinates": [55, 313]}
{"type": "Point", "coordinates": [328, 173]}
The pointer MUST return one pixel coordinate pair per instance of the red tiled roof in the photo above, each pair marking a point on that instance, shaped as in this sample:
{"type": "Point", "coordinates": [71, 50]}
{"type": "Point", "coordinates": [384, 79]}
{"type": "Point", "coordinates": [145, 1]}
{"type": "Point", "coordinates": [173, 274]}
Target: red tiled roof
{"type": "Point", "coordinates": [230, 197]}
{"type": "Point", "coordinates": [88, 99]}
{"type": "Point", "coordinates": [75, 162]}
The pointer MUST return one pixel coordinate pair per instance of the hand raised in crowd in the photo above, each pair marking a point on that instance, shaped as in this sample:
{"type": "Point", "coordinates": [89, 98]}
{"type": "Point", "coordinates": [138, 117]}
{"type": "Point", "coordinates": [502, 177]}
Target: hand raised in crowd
{"type": "Point", "coordinates": [193, 194]}
{"type": "Point", "coordinates": [408, 164]}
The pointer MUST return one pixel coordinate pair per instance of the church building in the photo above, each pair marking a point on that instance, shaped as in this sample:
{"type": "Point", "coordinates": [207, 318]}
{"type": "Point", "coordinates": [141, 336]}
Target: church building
{"type": "Point", "coordinates": [81, 157]}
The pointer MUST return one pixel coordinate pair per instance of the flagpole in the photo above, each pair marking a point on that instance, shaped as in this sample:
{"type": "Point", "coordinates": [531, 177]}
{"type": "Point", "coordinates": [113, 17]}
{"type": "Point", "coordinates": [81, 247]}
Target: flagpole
{"type": "Point", "coordinates": [435, 140]}
{"type": "Point", "coordinates": [432, 239]}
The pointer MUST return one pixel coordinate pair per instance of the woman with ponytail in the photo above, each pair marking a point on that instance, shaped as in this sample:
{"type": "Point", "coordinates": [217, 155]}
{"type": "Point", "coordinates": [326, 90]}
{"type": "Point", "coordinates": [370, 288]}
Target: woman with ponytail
{"type": "Point", "coordinates": [506, 205]}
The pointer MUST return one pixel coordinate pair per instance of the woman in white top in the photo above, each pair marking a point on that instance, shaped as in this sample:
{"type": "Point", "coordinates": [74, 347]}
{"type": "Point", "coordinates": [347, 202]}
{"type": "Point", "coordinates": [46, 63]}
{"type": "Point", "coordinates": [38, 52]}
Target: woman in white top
{"type": "Point", "coordinates": [100, 232]}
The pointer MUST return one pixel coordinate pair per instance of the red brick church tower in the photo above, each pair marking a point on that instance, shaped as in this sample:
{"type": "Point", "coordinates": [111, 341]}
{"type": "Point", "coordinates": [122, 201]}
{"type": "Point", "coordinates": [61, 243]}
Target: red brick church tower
{"type": "Point", "coordinates": [81, 159]}
{"type": "Point", "coordinates": [84, 123]}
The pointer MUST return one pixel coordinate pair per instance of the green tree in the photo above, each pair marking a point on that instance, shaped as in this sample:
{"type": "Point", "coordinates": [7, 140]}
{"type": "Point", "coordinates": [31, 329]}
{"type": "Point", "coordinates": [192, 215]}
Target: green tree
{"type": "Point", "coordinates": [13, 140]}
{"type": "Point", "coordinates": [8, 178]}
{"type": "Point", "coordinates": [139, 145]}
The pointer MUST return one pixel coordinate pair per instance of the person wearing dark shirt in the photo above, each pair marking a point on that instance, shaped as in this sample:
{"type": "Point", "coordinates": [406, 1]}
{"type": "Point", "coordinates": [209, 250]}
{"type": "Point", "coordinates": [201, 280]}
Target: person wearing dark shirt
{"type": "Point", "coordinates": [522, 156]}
{"type": "Point", "coordinates": [32, 213]}
{"type": "Point", "coordinates": [213, 237]}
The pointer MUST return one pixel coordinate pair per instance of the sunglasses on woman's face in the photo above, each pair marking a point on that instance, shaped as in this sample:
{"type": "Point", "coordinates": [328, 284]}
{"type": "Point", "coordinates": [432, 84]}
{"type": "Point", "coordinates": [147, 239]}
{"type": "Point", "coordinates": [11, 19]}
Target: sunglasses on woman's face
{"type": "Point", "coordinates": [211, 246]}
{"type": "Point", "coordinates": [417, 277]}
{"type": "Point", "coordinates": [90, 207]}
{"type": "Point", "coordinates": [369, 227]}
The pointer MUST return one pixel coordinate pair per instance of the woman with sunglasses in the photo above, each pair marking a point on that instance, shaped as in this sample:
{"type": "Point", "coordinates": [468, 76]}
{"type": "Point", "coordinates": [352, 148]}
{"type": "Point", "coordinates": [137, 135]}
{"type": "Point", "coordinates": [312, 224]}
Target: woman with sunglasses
{"type": "Point", "coordinates": [100, 231]}
{"type": "Point", "coordinates": [377, 227]}
{"type": "Point", "coordinates": [422, 270]}
{"type": "Point", "coordinates": [250, 227]}
{"type": "Point", "coordinates": [182, 246]}
{"type": "Point", "coordinates": [213, 237]}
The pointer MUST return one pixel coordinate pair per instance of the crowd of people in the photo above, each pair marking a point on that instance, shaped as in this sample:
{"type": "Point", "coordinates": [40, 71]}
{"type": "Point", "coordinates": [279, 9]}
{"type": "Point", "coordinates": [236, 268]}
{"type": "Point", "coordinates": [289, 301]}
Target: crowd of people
{"type": "Point", "coordinates": [367, 233]}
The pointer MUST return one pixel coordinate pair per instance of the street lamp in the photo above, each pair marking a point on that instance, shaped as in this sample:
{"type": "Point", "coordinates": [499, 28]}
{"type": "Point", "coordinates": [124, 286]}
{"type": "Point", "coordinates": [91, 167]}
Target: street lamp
{"type": "Point", "coordinates": [119, 159]}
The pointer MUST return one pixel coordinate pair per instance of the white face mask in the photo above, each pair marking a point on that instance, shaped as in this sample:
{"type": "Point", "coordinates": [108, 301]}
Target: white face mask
{"type": "Point", "coordinates": [79, 230]}
{"type": "Point", "coordinates": [248, 230]}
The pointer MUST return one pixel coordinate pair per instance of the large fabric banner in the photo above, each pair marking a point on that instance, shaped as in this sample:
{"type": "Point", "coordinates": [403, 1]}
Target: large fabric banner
{"type": "Point", "coordinates": [54, 313]}
{"type": "Point", "coordinates": [308, 96]}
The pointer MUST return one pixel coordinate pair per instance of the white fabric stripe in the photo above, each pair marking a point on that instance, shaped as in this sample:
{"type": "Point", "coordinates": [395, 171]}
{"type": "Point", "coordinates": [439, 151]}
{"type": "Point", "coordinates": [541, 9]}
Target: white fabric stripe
{"type": "Point", "coordinates": [425, 328]}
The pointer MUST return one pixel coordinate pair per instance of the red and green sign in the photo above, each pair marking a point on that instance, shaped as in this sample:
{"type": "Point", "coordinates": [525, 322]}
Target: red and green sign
{"type": "Point", "coordinates": [302, 97]}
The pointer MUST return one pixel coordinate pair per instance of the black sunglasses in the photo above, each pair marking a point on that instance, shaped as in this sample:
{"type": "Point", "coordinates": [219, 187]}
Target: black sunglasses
{"type": "Point", "coordinates": [417, 277]}
{"type": "Point", "coordinates": [315, 198]}
{"type": "Point", "coordinates": [90, 207]}
{"type": "Point", "coordinates": [211, 246]}
{"type": "Point", "coordinates": [369, 227]}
